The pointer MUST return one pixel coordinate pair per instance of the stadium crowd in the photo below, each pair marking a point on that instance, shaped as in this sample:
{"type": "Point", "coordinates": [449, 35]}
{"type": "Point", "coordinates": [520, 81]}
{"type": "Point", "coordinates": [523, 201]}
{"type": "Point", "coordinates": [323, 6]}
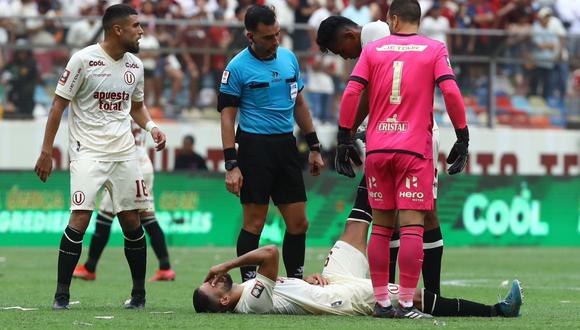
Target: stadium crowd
{"type": "Point", "coordinates": [187, 44]}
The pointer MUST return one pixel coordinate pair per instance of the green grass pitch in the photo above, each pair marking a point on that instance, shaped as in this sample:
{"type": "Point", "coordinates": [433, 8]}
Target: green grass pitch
{"type": "Point", "coordinates": [550, 279]}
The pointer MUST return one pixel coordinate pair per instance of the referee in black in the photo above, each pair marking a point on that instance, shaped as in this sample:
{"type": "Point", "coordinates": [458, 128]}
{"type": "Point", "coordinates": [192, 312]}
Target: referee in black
{"type": "Point", "coordinates": [262, 83]}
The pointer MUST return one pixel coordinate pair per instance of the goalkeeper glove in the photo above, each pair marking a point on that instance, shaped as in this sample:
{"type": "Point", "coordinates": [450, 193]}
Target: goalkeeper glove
{"type": "Point", "coordinates": [459, 153]}
{"type": "Point", "coordinates": [345, 153]}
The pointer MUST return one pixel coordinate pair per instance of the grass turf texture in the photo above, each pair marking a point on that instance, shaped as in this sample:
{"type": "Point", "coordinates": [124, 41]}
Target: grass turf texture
{"type": "Point", "coordinates": [27, 279]}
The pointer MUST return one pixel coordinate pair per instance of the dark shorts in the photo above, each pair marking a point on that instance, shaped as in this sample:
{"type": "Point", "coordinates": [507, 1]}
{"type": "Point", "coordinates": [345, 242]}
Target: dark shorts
{"type": "Point", "coordinates": [271, 167]}
{"type": "Point", "coordinates": [361, 210]}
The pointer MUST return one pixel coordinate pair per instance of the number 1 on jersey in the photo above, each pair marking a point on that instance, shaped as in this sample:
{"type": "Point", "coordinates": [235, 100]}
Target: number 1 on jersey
{"type": "Point", "coordinates": [397, 77]}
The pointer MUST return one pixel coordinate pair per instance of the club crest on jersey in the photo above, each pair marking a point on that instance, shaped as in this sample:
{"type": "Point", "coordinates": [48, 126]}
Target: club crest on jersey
{"type": "Point", "coordinates": [225, 77]}
{"type": "Point", "coordinates": [64, 77]}
{"type": "Point", "coordinates": [257, 289]}
{"type": "Point", "coordinates": [393, 125]}
{"type": "Point", "coordinates": [78, 198]}
{"type": "Point", "coordinates": [129, 78]}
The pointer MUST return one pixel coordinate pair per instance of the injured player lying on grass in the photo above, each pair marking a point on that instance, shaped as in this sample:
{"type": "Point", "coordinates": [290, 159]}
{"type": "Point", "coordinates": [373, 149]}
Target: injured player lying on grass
{"type": "Point", "coordinates": [341, 289]}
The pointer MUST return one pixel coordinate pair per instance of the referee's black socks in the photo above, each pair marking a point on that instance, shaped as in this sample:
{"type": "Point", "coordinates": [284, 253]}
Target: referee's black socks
{"type": "Point", "coordinates": [69, 252]}
{"type": "Point", "coordinates": [98, 241]}
{"type": "Point", "coordinates": [247, 242]}
{"type": "Point", "coordinates": [136, 254]}
{"type": "Point", "coordinates": [293, 254]}
{"type": "Point", "coordinates": [433, 253]}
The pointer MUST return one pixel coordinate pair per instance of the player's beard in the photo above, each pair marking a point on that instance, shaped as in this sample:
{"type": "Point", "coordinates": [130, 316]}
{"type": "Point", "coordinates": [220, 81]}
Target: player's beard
{"type": "Point", "coordinates": [134, 49]}
{"type": "Point", "coordinates": [228, 282]}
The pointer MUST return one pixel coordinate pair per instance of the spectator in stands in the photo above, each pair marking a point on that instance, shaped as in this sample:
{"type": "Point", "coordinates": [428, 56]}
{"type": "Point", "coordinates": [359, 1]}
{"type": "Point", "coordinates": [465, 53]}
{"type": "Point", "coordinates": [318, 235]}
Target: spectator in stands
{"type": "Point", "coordinates": [149, 47]}
{"type": "Point", "coordinates": [545, 50]}
{"type": "Point", "coordinates": [518, 47]}
{"type": "Point", "coordinates": [358, 12]}
{"type": "Point", "coordinates": [240, 41]}
{"type": "Point", "coordinates": [84, 31]}
{"type": "Point", "coordinates": [20, 77]}
{"type": "Point", "coordinates": [220, 39]}
{"type": "Point", "coordinates": [320, 88]}
{"type": "Point", "coordinates": [434, 25]}
{"type": "Point", "coordinates": [303, 9]}
{"type": "Point", "coordinates": [187, 159]}
{"type": "Point", "coordinates": [196, 63]}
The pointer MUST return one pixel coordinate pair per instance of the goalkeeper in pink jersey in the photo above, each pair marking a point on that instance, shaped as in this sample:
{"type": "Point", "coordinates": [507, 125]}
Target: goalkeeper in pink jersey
{"type": "Point", "coordinates": [400, 73]}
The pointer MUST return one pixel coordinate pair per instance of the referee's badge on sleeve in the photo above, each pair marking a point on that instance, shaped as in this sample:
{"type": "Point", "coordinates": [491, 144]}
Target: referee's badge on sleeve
{"type": "Point", "coordinates": [293, 90]}
{"type": "Point", "coordinates": [225, 77]}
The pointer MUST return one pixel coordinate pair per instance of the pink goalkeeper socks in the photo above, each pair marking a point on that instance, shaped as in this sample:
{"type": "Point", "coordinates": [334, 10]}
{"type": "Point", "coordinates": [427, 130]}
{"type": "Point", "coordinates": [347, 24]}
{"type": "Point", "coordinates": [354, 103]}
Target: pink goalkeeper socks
{"type": "Point", "coordinates": [410, 262]}
{"type": "Point", "coordinates": [378, 254]}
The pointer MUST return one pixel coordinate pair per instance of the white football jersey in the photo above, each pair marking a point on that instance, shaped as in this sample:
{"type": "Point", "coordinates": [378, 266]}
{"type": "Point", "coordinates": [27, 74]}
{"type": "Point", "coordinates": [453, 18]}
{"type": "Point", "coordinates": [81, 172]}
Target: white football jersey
{"type": "Point", "coordinates": [343, 296]}
{"type": "Point", "coordinates": [373, 31]}
{"type": "Point", "coordinates": [101, 91]}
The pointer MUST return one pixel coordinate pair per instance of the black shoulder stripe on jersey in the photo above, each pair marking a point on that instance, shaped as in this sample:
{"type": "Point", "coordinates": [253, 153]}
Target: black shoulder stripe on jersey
{"type": "Point", "coordinates": [443, 78]}
{"type": "Point", "coordinates": [227, 100]}
{"type": "Point", "coordinates": [360, 80]}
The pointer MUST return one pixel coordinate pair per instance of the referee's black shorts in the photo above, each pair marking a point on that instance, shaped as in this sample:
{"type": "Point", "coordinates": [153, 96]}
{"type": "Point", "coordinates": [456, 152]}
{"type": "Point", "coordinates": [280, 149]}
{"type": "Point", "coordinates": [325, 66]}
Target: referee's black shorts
{"type": "Point", "coordinates": [271, 167]}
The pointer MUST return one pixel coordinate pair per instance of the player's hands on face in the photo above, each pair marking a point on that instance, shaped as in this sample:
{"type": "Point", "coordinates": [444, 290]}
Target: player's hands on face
{"type": "Point", "coordinates": [215, 273]}
{"type": "Point", "coordinates": [345, 153]}
{"type": "Point", "coordinates": [459, 153]}
{"type": "Point", "coordinates": [43, 166]}
{"type": "Point", "coordinates": [315, 163]}
{"type": "Point", "coordinates": [316, 279]}
{"type": "Point", "coordinates": [234, 181]}
{"type": "Point", "coordinates": [159, 138]}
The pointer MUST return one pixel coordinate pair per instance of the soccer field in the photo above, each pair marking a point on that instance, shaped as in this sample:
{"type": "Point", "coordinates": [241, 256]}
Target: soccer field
{"type": "Point", "coordinates": [27, 279]}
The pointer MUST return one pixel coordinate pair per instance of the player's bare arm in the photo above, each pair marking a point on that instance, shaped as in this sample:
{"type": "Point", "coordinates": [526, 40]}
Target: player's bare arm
{"type": "Point", "coordinates": [266, 258]}
{"type": "Point", "coordinates": [362, 111]}
{"type": "Point", "coordinates": [43, 166]}
{"type": "Point", "coordinates": [304, 121]}
{"type": "Point", "coordinates": [141, 116]}
{"type": "Point", "coordinates": [234, 177]}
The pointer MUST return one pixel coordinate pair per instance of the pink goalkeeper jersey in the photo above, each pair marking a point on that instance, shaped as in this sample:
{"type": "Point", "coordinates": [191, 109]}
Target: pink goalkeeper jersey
{"type": "Point", "coordinates": [401, 72]}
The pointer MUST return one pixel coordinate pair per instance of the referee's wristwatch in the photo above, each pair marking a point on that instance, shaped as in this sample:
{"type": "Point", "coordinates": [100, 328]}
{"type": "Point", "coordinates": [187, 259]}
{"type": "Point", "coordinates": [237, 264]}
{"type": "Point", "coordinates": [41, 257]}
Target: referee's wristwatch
{"type": "Point", "coordinates": [231, 164]}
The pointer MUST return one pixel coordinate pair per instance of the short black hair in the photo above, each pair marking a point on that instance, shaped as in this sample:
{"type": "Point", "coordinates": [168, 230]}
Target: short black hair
{"type": "Point", "coordinates": [259, 14]}
{"type": "Point", "coordinates": [190, 138]}
{"type": "Point", "coordinates": [407, 10]}
{"type": "Point", "coordinates": [202, 303]}
{"type": "Point", "coordinates": [114, 13]}
{"type": "Point", "coordinates": [328, 31]}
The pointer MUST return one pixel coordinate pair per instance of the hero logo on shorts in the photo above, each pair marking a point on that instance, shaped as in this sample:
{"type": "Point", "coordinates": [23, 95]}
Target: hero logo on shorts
{"type": "Point", "coordinates": [129, 78]}
{"type": "Point", "coordinates": [64, 77]}
{"type": "Point", "coordinates": [78, 198]}
{"type": "Point", "coordinates": [225, 77]}
{"type": "Point", "coordinates": [373, 184]}
{"type": "Point", "coordinates": [410, 183]}
{"type": "Point", "coordinates": [393, 125]}
{"type": "Point", "coordinates": [257, 289]}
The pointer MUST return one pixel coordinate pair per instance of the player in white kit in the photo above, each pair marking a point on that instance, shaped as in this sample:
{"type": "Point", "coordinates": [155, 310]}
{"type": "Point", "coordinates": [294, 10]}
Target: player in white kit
{"type": "Point", "coordinates": [341, 289]}
{"type": "Point", "coordinates": [104, 85]}
{"type": "Point", "coordinates": [106, 214]}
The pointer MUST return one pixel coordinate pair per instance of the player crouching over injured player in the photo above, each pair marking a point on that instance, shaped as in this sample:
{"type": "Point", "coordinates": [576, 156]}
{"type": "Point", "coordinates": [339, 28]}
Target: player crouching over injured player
{"type": "Point", "coordinates": [341, 289]}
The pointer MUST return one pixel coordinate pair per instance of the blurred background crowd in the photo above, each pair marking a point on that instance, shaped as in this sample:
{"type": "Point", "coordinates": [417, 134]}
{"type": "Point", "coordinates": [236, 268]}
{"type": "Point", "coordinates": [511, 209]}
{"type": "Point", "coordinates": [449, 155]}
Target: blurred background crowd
{"type": "Point", "coordinates": [517, 61]}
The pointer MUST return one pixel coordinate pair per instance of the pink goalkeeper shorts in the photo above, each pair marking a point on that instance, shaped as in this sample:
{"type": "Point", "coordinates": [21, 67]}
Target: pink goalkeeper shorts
{"type": "Point", "coordinates": [397, 181]}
